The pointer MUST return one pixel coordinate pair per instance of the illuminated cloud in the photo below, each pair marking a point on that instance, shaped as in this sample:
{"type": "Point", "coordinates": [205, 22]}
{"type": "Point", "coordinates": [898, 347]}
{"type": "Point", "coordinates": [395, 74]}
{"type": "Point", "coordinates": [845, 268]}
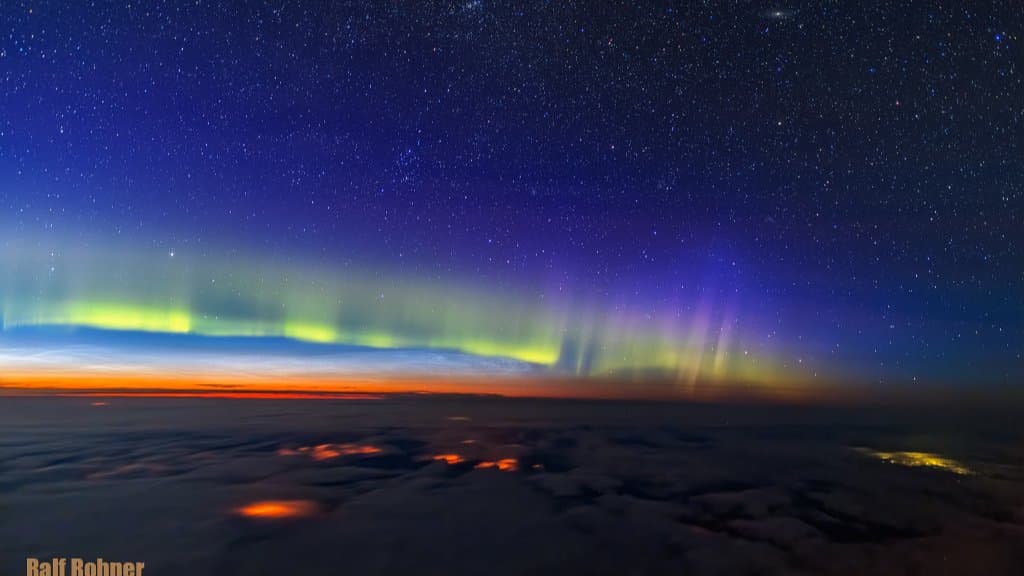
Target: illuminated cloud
{"type": "Point", "coordinates": [330, 451]}
{"type": "Point", "coordinates": [278, 509]}
{"type": "Point", "coordinates": [450, 458]}
{"type": "Point", "coordinates": [505, 464]}
{"type": "Point", "coordinates": [917, 459]}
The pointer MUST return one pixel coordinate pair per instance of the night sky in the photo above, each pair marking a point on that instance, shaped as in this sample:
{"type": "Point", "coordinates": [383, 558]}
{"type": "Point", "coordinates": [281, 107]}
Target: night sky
{"type": "Point", "coordinates": [836, 187]}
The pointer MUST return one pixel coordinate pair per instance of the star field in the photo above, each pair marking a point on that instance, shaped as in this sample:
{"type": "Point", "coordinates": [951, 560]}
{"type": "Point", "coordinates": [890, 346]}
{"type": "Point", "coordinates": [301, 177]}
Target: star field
{"type": "Point", "coordinates": [852, 175]}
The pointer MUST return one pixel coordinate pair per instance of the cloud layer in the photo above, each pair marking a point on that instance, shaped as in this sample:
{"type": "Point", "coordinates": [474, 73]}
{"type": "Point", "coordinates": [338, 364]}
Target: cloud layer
{"type": "Point", "coordinates": [414, 485]}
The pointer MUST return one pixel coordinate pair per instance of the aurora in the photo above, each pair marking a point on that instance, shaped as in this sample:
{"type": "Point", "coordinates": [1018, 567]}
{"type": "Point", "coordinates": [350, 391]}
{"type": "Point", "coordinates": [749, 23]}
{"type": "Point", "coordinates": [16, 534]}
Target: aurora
{"type": "Point", "coordinates": [222, 297]}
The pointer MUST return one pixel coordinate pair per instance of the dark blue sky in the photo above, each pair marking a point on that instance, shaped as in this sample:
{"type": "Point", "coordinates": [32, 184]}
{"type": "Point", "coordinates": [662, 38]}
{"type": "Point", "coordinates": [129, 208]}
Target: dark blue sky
{"type": "Point", "coordinates": [853, 173]}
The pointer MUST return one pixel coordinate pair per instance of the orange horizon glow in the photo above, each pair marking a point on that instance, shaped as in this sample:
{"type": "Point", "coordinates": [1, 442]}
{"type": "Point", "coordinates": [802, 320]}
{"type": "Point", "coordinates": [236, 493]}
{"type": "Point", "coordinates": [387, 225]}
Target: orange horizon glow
{"type": "Point", "coordinates": [144, 385]}
{"type": "Point", "coordinates": [278, 509]}
{"type": "Point", "coordinates": [205, 394]}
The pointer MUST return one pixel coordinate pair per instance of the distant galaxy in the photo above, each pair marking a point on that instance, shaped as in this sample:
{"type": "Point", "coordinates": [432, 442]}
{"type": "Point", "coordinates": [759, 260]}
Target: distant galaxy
{"type": "Point", "coordinates": [777, 14]}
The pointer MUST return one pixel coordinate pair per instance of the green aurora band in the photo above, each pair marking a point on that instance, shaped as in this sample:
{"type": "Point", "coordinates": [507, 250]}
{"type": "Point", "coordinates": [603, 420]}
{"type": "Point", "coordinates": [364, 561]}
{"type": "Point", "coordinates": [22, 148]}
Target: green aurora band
{"type": "Point", "coordinates": [230, 295]}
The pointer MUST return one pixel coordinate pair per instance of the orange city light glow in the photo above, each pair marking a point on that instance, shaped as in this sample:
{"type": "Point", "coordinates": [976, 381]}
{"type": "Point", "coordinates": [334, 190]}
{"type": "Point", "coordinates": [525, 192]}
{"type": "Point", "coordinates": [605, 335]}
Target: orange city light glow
{"type": "Point", "coordinates": [450, 458]}
{"type": "Point", "coordinates": [328, 451]}
{"type": "Point", "coordinates": [278, 509]}
{"type": "Point", "coordinates": [505, 464]}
